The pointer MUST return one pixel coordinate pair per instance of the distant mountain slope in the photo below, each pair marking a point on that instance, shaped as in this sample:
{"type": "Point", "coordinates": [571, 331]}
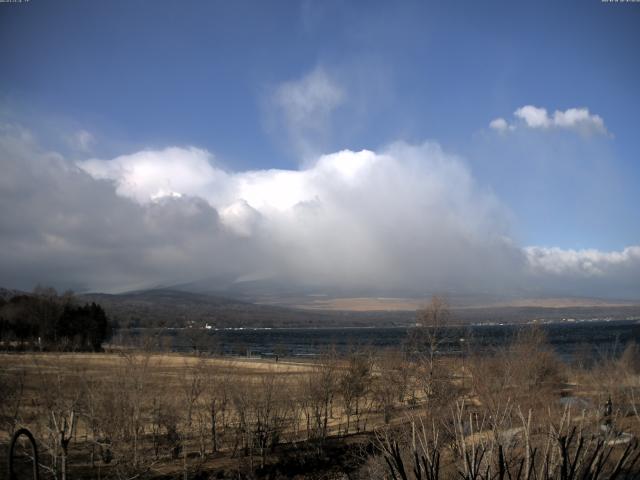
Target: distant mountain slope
{"type": "Point", "coordinates": [164, 307]}
{"type": "Point", "coordinates": [178, 308]}
{"type": "Point", "coordinates": [173, 308]}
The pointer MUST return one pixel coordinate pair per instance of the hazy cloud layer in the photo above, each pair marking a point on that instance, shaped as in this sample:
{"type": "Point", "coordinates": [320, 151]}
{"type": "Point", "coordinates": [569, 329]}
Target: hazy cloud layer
{"type": "Point", "coordinates": [586, 272]}
{"type": "Point", "coordinates": [60, 226]}
{"type": "Point", "coordinates": [81, 140]}
{"type": "Point", "coordinates": [302, 108]}
{"type": "Point", "coordinates": [584, 263]}
{"type": "Point", "coordinates": [406, 218]}
{"type": "Point", "coordinates": [577, 119]}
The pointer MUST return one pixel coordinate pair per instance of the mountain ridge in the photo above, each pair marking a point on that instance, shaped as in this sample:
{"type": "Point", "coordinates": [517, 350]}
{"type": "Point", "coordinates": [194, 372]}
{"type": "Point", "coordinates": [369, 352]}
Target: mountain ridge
{"type": "Point", "coordinates": [170, 308]}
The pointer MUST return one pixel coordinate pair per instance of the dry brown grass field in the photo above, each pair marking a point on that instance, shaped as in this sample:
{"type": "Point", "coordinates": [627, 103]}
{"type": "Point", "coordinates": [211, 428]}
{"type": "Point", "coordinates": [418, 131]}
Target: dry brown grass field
{"type": "Point", "coordinates": [163, 402]}
{"type": "Point", "coordinates": [146, 414]}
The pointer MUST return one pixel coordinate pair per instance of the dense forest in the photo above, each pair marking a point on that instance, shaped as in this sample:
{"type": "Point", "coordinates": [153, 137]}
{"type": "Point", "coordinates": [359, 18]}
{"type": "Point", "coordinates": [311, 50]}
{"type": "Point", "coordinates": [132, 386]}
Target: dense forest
{"type": "Point", "coordinates": [45, 320]}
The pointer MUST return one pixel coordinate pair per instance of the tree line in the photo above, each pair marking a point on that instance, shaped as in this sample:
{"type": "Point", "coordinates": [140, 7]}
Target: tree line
{"type": "Point", "coordinates": [45, 320]}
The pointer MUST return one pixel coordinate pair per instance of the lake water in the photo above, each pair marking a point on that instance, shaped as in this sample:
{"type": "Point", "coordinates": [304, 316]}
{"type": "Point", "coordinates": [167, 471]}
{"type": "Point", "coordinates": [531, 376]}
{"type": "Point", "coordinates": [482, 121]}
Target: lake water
{"type": "Point", "coordinates": [595, 337]}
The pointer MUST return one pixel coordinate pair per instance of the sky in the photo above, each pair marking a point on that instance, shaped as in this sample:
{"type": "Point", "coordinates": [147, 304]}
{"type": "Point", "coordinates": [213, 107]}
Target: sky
{"type": "Point", "coordinates": [404, 147]}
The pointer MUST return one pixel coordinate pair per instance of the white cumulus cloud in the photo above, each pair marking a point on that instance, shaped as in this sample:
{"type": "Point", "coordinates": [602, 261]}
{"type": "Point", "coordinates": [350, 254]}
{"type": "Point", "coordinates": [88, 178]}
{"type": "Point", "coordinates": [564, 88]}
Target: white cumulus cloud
{"type": "Point", "coordinates": [386, 218]}
{"type": "Point", "coordinates": [500, 124]}
{"type": "Point", "coordinates": [534, 117]}
{"type": "Point", "coordinates": [580, 120]}
{"type": "Point", "coordinates": [152, 174]}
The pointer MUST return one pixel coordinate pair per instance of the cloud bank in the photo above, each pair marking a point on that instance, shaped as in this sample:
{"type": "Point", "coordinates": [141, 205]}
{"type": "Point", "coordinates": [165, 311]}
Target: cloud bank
{"type": "Point", "coordinates": [372, 219]}
{"type": "Point", "coordinates": [407, 218]}
{"type": "Point", "coordinates": [576, 119]}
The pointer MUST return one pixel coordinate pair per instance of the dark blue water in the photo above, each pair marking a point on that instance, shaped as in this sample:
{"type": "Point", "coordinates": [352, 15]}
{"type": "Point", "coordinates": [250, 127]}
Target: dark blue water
{"type": "Point", "coordinates": [603, 338]}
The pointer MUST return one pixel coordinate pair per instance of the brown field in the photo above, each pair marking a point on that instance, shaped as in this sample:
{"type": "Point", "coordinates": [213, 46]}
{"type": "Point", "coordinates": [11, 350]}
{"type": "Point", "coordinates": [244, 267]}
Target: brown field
{"type": "Point", "coordinates": [393, 304]}
{"type": "Point", "coordinates": [184, 388]}
{"type": "Point", "coordinates": [145, 414]}
{"type": "Point", "coordinates": [362, 304]}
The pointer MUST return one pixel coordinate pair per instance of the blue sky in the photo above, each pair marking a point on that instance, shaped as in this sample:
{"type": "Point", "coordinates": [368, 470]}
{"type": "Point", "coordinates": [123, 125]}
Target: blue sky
{"type": "Point", "coordinates": [209, 75]}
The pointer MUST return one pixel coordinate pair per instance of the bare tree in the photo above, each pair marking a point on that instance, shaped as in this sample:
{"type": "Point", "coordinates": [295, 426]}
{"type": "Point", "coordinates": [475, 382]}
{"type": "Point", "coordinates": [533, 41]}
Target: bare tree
{"type": "Point", "coordinates": [354, 385]}
{"type": "Point", "coordinates": [391, 381]}
{"type": "Point", "coordinates": [427, 336]}
{"type": "Point", "coordinates": [59, 406]}
{"type": "Point", "coordinates": [123, 408]}
{"type": "Point", "coordinates": [269, 411]}
{"type": "Point", "coordinates": [217, 394]}
{"type": "Point", "coordinates": [320, 387]}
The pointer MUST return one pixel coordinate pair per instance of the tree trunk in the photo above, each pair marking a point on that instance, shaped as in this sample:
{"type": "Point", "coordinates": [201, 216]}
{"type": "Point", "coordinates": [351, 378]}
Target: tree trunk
{"type": "Point", "coordinates": [214, 430]}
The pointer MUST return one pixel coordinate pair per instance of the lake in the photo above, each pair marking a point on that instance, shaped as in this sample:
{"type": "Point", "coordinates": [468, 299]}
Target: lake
{"type": "Point", "coordinates": [602, 338]}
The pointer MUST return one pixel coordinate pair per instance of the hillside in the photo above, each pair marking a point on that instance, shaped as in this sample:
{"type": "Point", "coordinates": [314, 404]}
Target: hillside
{"type": "Point", "coordinates": [173, 308]}
{"type": "Point", "coordinates": [178, 308]}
